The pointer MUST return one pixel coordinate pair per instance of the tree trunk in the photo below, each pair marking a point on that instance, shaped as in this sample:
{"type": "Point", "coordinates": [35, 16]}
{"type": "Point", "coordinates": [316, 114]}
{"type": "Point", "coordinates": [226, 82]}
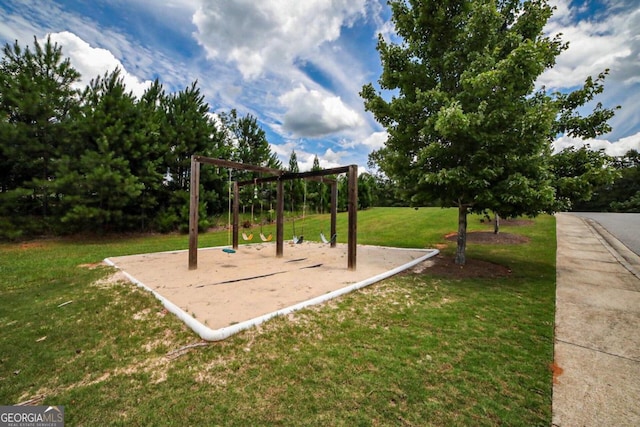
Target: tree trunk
{"type": "Point", "coordinates": [462, 235]}
{"type": "Point", "coordinates": [496, 223]}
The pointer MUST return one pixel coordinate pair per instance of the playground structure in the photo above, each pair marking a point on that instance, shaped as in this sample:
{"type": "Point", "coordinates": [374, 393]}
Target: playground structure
{"type": "Point", "coordinates": [221, 299]}
{"type": "Point", "coordinates": [278, 176]}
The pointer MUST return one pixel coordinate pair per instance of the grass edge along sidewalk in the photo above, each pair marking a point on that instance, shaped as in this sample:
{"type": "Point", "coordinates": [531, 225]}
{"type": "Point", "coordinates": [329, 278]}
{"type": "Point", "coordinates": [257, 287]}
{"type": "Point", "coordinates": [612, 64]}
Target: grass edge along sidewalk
{"type": "Point", "coordinates": [416, 349]}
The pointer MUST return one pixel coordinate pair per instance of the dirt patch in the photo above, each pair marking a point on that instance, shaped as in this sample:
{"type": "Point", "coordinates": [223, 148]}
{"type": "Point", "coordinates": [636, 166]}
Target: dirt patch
{"type": "Point", "coordinates": [489, 237]}
{"type": "Point", "coordinates": [31, 245]}
{"type": "Point", "coordinates": [92, 266]}
{"type": "Point", "coordinates": [227, 289]}
{"type": "Point", "coordinates": [445, 266]}
{"type": "Point", "coordinates": [114, 279]}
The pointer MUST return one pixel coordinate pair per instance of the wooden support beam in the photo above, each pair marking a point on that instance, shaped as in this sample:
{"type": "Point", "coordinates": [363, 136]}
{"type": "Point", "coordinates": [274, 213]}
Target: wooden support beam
{"type": "Point", "coordinates": [334, 213]}
{"type": "Point", "coordinates": [235, 165]}
{"type": "Point", "coordinates": [236, 214]}
{"type": "Point", "coordinates": [280, 220]}
{"type": "Point", "coordinates": [194, 199]}
{"type": "Point", "coordinates": [353, 216]}
{"type": "Point", "coordinates": [288, 177]}
{"type": "Point", "coordinates": [314, 174]}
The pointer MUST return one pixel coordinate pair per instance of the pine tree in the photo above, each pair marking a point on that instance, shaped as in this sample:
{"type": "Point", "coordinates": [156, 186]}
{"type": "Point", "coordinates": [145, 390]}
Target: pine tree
{"type": "Point", "coordinates": [99, 178]}
{"type": "Point", "coordinates": [37, 100]}
{"type": "Point", "coordinates": [190, 130]}
{"type": "Point", "coordinates": [295, 187]}
{"type": "Point", "coordinates": [250, 146]}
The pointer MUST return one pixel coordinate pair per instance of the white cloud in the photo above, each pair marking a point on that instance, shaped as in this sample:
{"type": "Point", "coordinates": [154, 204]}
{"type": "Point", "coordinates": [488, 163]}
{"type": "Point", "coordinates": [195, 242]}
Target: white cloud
{"type": "Point", "coordinates": [328, 159]}
{"type": "Point", "coordinates": [27, 18]}
{"type": "Point", "coordinates": [14, 28]}
{"type": "Point", "coordinates": [607, 41]}
{"type": "Point", "coordinates": [376, 140]}
{"type": "Point", "coordinates": [612, 148]}
{"type": "Point", "coordinates": [270, 35]}
{"type": "Point", "coordinates": [312, 113]}
{"type": "Point", "coordinates": [92, 62]}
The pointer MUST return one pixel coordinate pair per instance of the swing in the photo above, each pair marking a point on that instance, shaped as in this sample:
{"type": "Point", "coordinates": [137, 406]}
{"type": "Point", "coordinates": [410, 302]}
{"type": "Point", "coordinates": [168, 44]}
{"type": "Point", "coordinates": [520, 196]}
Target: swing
{"type": "Point", "coordinates": [229, 250]}
{"type": "Point", "coordinates": [262, 236]}
{"type": "Point", "coordinates": [265, 238]}
{"type": "Point", "coordinates": [249, 237]}
{"type": "Point", "coordinates": [299, 239]}
{"type": "Point", "coordinates": [333, 238]}
{"type": "Point", "coordinates": [324, 239]}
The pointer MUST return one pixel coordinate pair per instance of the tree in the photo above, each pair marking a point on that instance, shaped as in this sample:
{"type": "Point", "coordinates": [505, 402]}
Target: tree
{"type": "Point", "coordinates": [343, 193]}
{"type": "Point", "coordinates": [98, 175]}
{"type": "Point", "coordinates": [466, 125]}
{"type": "Point", "coordinates": [577, 172]}
{"type": "Point", "coordinates": [628, 185]}
{"type": "Point", "coordinates": [296, 186]}
{"type": "Point", "coordinates": [316, 191]}
{"type": "Point", "coordinates": [37, 99]}
{"type": "Point", "coordinates": [386, 192]}
{"type": "Point", "coordinates": [622, 195]}
{"type": "Point", "coordinates": [190, 130]}
{"type": "Point", "coordinates": [366, 189]}
{"type": "Point", "coordinates": [250, 145]}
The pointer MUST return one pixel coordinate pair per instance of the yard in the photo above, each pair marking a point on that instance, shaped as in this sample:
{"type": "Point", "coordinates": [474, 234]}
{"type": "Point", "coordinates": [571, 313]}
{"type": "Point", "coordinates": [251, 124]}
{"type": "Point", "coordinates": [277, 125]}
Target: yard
{"type": "Point", "coordinates": [440, 345]}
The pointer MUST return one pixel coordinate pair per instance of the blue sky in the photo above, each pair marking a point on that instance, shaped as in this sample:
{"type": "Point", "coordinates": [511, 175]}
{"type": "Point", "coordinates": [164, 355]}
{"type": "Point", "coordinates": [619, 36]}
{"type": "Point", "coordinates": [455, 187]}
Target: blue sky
{"type": "Point", "coordinates": [298, 65]}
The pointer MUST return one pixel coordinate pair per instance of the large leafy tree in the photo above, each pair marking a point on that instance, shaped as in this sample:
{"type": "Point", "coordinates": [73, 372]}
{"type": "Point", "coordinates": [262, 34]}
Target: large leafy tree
{"type": "Point", "coordinates": [37, 99]}
{"type": "Point", "coordinates": [466, 124]}
{"type": "Point", "coordinates": [622, 195]}
{"type": "Point", "coordinates": [366, 189]}
{"type": "Point", "coordinates": [627, 187]}
{"type": "Point", "coordinates": [578, 172]}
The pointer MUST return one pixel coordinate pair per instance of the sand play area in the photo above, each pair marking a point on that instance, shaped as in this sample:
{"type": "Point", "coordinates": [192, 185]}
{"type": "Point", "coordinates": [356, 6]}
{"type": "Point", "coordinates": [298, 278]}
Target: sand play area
{"type": "Point", "coordinates": [230, 292]}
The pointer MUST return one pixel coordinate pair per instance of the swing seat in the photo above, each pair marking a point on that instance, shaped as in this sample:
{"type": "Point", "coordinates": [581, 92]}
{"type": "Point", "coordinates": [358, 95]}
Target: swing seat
{"type": "Point", "coordinates": [266, 238]}
{"type": "Point", "coordinates": [298, 239]}
{"type": "Point", "coordinates": [324, 239]}
{"type": "Point", "coordinates": [229, 251]}
{"type": "Point", "coordinates": [245, 237]}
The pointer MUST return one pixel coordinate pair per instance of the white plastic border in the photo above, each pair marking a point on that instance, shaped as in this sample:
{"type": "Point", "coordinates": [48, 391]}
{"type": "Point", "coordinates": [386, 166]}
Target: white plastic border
{"type": "Point", "coordinates": [209, 334]}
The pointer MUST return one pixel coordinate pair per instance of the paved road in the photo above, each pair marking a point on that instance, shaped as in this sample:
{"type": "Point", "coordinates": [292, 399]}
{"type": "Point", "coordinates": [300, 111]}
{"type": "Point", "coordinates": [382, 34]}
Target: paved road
{"type": "Point", "coordinates": [624, 226]}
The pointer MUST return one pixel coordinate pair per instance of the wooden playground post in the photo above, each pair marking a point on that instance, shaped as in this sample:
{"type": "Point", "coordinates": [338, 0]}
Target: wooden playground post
{"type": "Point", "coordinates": [194, 200]}
{"type": "Point", "coordinates": [352, 181]}
{"type": "Point", "coordinates": [334, 214]}
{"type": "Point", "coordinates": [236, 213]}
{"type": "Point", "coordinates": [280, 220]}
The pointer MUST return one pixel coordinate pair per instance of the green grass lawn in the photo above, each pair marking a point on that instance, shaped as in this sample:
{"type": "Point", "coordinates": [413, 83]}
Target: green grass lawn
{"type": "Point", "coordinates": [415, 349]}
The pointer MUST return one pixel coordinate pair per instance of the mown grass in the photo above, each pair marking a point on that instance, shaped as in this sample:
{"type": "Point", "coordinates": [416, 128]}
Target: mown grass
{"type": "Point", "coordinates": [415, 349]}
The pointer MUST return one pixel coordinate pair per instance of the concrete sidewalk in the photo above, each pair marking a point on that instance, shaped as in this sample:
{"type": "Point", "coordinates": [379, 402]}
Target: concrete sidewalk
{"type": "Point", "coordinates": [597, 328]}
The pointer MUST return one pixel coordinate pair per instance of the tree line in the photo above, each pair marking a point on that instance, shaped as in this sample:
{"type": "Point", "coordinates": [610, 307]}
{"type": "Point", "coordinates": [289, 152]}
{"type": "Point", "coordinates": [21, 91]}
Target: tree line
{"type": "Point", "coordinates": [102, 160]}
{"type": "Point", "coordinates": [583, 179]}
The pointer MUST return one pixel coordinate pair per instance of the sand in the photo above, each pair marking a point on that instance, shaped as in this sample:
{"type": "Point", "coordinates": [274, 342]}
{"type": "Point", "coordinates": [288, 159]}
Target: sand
{"type": "Point", "coordinates": [230, 292]}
